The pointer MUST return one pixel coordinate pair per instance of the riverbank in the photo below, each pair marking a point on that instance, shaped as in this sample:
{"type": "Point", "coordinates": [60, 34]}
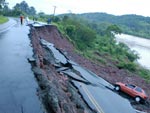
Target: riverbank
{"type": "Point", "coordinates": [109, 73]}
{"type": "Point", "coordinates": [138, 44]}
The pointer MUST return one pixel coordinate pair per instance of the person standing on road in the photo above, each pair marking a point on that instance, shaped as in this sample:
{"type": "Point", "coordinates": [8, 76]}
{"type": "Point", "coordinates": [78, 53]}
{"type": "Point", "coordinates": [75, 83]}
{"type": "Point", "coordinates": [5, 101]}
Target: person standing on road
{"type": "Point", "coordinates": [21, 20]}
{"type": "Point", "coordinates": [48, 21]}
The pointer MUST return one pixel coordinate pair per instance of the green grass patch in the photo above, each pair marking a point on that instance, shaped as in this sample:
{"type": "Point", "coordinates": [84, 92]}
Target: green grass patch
{"type": "Point", "coordinates": [3, 19]}
{"type": "Point", "coordinates": [144, 73]}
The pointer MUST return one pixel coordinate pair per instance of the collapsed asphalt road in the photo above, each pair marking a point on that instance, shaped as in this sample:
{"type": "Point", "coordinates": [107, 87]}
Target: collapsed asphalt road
{"type": "Point", "coordinates": [67, 87]}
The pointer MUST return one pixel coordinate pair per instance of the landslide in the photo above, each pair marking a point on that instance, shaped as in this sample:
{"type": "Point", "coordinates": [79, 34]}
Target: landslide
{"type": "Point", "coordinates": [55, 89]}
{"type": "Point", "coordinates": [64, 97]}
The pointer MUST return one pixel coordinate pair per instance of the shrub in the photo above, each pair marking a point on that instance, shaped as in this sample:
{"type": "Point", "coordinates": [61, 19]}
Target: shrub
{"type": "Point", "coordinates": [129, 66]}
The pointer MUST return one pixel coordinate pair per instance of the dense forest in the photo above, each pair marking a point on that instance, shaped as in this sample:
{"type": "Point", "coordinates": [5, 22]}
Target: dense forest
{"type": "Point", "coordinates": [129, 24]}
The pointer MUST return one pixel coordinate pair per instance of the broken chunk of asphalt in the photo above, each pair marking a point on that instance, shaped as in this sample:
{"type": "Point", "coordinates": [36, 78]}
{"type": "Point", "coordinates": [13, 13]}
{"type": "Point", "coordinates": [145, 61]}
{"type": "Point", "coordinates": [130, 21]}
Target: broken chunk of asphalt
{"type": "Point", "coordinates": [59, 57]}
{"type": "Point", "coordinates": [75, 77]}
{"type": "Point", "coordinates": [62, 69]}
{"type": "Point", "coordinates": [32, 61]}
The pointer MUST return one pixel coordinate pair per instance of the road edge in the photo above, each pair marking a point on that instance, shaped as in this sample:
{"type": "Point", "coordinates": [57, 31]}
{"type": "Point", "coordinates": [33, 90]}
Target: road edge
{"type": "Point", "coordinates": [6, 26]}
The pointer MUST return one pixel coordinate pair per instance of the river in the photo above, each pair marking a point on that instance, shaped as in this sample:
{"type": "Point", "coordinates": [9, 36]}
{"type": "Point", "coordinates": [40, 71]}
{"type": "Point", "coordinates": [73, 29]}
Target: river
{"type": "Point", "coordinates": [140, 45]}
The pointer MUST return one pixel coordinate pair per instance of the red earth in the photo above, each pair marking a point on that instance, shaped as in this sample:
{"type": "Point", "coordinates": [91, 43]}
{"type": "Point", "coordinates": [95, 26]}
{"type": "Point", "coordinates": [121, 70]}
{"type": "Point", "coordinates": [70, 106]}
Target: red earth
{"type": "Point", "coordinates": [109, 72]}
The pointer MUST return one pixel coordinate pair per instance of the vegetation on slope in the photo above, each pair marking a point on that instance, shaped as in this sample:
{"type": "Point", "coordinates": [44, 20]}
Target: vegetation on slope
{"type": "Point", "coordinates": [99, 44]}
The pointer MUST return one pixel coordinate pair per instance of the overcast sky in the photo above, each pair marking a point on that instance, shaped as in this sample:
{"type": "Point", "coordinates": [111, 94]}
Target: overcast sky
{"type": "Point", "coordinates": [116, 7]}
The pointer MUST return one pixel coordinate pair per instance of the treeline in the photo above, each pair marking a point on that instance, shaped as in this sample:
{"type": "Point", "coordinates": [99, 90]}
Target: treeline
{"type": "Point", "coordinates": [24, 9]}
{"type": "Point", "coordinates": [19, 9]}
{"type": "Point", "coordinates": [130, 24]}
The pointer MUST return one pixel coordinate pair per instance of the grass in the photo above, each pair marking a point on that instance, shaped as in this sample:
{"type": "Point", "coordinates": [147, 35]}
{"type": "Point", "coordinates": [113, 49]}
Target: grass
{"type": "Point", "coordinates": [3, 19]}
{"type": "Point", "coordinates": [144, 73]}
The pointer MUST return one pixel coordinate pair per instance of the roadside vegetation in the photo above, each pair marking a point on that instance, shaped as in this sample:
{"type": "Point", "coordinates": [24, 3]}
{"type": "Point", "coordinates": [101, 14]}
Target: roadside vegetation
{"type": "Point", "coordinates": [97, 42]}
{"type": "Point", "coordinates": [3, 19]}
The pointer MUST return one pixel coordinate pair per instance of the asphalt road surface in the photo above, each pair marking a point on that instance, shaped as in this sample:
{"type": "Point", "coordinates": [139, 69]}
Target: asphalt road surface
{"type": "Point", "coordinates": [17, 83]}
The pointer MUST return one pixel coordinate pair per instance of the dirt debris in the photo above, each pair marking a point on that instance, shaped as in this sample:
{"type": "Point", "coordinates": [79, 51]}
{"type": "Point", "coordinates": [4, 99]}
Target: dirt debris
{"type": "Point", "coordinates": [66, 98]}
{"type": "Point", "coordinates": [55, 89]}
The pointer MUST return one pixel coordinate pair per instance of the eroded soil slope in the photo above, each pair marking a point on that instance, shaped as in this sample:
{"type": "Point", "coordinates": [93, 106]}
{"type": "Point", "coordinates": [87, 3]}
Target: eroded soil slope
{"type": "Point", "coordinates": [61, 102]}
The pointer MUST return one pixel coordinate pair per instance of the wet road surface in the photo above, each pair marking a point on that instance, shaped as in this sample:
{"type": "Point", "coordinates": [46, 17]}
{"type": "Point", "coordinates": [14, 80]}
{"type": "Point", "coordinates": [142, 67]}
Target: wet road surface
{"type": "Point", "coordinates": [17, 83]}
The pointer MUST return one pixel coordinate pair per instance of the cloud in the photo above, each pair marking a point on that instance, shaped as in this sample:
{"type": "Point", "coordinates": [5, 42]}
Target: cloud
{"type": "Point", "coordinates": [117, 7]}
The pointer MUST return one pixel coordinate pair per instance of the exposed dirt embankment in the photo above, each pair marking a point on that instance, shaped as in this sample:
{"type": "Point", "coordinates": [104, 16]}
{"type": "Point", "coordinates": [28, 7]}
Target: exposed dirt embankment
{"type": "Point", "coordinates": [64, 98]}
{"type": "Point", "coordinates": [55, 90]}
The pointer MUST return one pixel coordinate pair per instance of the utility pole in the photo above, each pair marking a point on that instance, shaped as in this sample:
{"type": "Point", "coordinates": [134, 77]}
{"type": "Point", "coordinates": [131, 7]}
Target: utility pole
{"type": "Point", "coordinates": [54, 11]}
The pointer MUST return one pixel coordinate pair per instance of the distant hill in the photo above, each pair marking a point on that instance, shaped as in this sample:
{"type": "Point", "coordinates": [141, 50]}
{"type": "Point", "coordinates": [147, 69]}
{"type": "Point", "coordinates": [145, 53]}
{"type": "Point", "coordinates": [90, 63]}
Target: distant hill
{"type": "Point", "coordinates": [130, 24]}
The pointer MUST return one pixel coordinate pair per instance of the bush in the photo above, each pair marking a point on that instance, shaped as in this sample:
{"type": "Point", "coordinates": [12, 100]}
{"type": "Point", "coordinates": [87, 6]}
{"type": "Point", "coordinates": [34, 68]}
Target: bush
{"type": "Point", "coordinates": [129, 66]}
{"type": "Point", "coordinates": [70, 29]}
{"type": "Point", "coordinates": [144, 73]}
{"type": "Point", "coordinates": [80, 33]}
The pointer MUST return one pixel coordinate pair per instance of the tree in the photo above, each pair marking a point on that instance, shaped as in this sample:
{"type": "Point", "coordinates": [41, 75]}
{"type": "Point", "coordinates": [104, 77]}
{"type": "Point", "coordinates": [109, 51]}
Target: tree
{"type": "Point", "coordinates": [2, 4]}
{"type": "Point", "coordinates": [23, 7]}
{"type": "Point", "coordinates": [41, 14]}
{"type": "Point", "coordinates": [65, 18]}
{"type": "Point", "coordinates": [70, 29]}
{"type": "Point", "coordinates": [113, 28]}
{"type": "Point", "coordinates": [6, 10]}
{"type": "Point", "coordinates": [32, 11]}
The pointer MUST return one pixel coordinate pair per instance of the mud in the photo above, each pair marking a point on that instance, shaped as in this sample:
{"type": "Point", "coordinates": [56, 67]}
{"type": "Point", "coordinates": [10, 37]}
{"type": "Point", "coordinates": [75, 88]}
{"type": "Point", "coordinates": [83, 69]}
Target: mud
{"type": "Point", "coordinates": [56, 90]}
